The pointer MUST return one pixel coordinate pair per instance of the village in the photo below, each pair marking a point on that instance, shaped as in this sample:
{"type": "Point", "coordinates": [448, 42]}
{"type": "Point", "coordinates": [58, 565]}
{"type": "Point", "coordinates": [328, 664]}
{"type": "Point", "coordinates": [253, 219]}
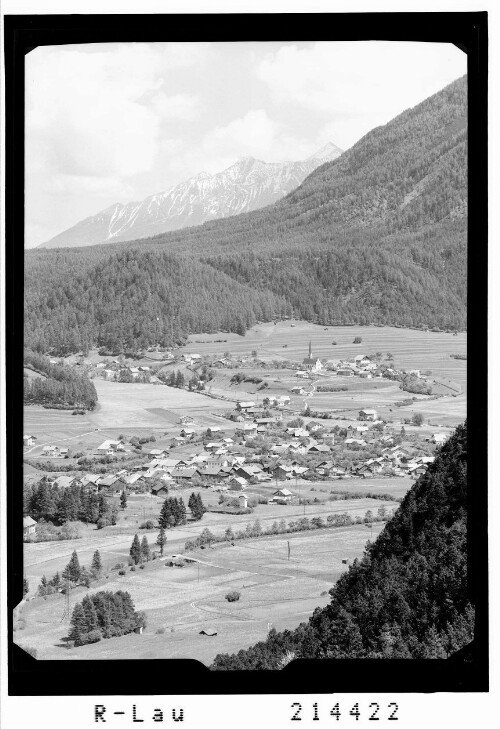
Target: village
{"type": "Point", "coordinates": [284, 452]}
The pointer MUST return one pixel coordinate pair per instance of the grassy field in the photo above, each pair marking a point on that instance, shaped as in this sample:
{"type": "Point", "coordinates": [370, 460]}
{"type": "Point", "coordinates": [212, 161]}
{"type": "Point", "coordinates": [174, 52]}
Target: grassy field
{"type": "Point", "coordinates": [275, 591]}
{"type": "Point", "coordinates": [46, 558]}
{"type": "Point", "coordinates": [412, 349]}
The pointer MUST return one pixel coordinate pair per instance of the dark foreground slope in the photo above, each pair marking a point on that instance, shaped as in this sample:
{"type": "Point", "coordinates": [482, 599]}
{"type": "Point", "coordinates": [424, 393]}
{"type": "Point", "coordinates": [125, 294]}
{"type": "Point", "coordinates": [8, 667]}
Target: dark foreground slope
{"type": "Point", "coordinates": [376, 236]}
{"type": "Point", "coordinates": [407, 597]}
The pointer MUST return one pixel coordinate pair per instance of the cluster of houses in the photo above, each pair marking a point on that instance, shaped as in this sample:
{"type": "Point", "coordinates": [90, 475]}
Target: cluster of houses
{"type": "Point", "coordinates": [225, 463]}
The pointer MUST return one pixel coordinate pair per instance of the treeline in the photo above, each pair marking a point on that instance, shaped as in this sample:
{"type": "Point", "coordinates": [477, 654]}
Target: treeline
{"type": "Point", "coordinates": [52, 504]}
{"type": "Point", "coordinates": [378, 235]}
{"type": "Point", "coordinates": [407, 597]}
{"type": "Point", "coordinates": [61, 385]}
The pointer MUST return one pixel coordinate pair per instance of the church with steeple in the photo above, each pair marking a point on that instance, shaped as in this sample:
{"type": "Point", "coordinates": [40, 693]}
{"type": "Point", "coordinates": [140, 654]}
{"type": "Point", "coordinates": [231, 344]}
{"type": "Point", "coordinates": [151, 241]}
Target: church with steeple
{"type": "Point", "coordinates": [310, 362]}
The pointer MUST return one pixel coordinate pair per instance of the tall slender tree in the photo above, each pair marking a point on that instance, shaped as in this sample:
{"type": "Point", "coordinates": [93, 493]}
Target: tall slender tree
{"type": "Point", "coordinates": [161, 539]}
{"type": "Point", "coordinates": [135, 550]}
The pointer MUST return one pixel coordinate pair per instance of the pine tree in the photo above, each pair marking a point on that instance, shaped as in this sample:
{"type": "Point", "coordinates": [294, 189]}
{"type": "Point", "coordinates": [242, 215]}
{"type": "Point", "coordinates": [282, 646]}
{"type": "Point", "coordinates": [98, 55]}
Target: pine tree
{"type": "Point", "coordinates": [165, 513]}
{"type": "Point", "coordinates": [96, 565]}
{"type": "Point", "coordinates": [123, 499]}
{"type": "Point", "coordinates": [146, 552]}
{"type": "Point", "coordinates": [78, 623]}
{"type": "Point", "coordinates": [161, 540]}
{"type": "Point", "coordinates": [90, 614]}
{"type": "Point", "coordinates": [181, 512]}
{"type": "Point", "coordinates": [193, 504]}
{"type": "Point", "coordinates": [26, 587]}
{"type": "Point", "coordinates": [135, 550]}
{"type": "Point", "coordinates": [72, 570]}
{"type": "Point", "coordinates": [201, 507]}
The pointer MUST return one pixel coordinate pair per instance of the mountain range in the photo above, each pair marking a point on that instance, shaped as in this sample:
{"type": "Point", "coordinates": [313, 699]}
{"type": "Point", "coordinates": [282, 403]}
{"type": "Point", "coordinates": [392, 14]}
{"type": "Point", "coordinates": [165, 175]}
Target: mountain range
{"type": "Point", "coordinates": [247, 185]}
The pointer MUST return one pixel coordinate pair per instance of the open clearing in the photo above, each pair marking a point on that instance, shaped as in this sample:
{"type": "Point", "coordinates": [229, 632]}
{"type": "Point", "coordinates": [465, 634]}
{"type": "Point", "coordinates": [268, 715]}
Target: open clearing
{"type": "Point", "coordinates": [178, 602]}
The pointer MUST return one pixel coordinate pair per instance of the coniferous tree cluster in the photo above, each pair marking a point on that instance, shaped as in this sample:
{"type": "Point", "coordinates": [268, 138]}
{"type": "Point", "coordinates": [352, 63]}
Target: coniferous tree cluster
{"type": "Point", "coordinates": [61, 386]}
{"type": "Point", "coordinates": [379, 235]}
{"type": "Point", "coordinates": [104, 615]}
{"type": "Point", "coordinates": [173, 512]}
{"type": "Point", "coordinates": [47, 502]}
{"type": "Point", "coordinates": [196, 506]}
{"type": "Point", "coordinates": [407, 597]}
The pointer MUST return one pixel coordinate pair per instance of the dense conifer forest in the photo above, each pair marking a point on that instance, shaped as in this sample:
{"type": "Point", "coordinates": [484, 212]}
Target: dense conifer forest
{"type": "Point", "coordinates": [379, 235]}
{"type": "Point", "coordinates": [407, 597]}
{"type": "Point", "coordinates": [61, 386]}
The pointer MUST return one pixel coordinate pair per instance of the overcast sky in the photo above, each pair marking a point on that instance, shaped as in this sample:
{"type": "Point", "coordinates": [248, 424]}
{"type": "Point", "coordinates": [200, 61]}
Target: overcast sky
{"type": "Point", "coordinates": [116, 122]}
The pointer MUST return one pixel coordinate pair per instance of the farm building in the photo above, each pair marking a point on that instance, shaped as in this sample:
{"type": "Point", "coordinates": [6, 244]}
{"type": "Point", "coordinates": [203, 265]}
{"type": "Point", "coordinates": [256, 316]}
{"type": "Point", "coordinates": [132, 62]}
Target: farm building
{"type": "Point", "coordinates": [283, 494]}
{"type": "Point", "coordinates": [208, 631]}
{"type": "Point", "coordinates": [50, 450]}
{"type": "Point", "coordinates": [28, 440]}
{"type": "Point", "coordinates": [245, 405]}
{"type": "Point", "coordinates": [366, 375]}
{"type": "Point", "coordinates": [297, 390]}
{"type": "Point", "coordinates": [159, 489]}
{"type": "Point", "coordinates": [29, 526]}
{"type": "Point", "coordinates": [367, 414]}
{"type": "Point", "coordinates": [345, 372]}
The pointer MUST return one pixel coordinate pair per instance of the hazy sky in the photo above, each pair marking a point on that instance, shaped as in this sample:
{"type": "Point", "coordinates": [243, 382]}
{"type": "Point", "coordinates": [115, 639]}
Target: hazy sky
{"type": "Point", "coordinates": [116, 122]}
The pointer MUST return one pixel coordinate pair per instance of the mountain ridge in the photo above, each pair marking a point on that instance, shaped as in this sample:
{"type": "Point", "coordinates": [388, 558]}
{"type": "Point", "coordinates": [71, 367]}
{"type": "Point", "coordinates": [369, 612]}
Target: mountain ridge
{"type": "Point", "coordinates": [246, 185]}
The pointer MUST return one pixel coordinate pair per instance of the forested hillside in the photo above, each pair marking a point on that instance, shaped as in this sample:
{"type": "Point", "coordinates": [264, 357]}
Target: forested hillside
{"type": "Point", "coordinates": [407, 597]}
{"type": "Point", "coordinates": [378, 235]}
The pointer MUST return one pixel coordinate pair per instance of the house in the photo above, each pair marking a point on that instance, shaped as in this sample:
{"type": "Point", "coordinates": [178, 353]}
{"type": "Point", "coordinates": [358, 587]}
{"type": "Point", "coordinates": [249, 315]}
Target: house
{"type": "Point", "coordinates": [361, 360]}
{"type": "Point", "coordinates": [310, 363]}
{"type": "Point", "coordinates": [177, 441]}
{"type": "Point", "coordinates": [109, 447]}
{"type": "Point", "coordinates": [212, 473]}
{"type": "Point", "coordinates": [28, 441]}
{"type": "Point", "coordinates": [108, 481]}
{"type": "Point", "coordinates": [237, 482]}
{"type": "Point", "coordinates": [345, 372]}
{"type": "Point", "coordinates": [64, 482]}
{"type": "Point", "coordinates": [184, 474]}
{"type": "Point", "coordinates": [282, 472]}
{"type": "Point", "coordinates": [438, 438]}
{"type": "Point", "coordinates": [29, 527]}
{"type": "Point", "coordinates": [367, 414]}
{"type": "Point", "coordinates": [132, 478]}
{"type": "Point", "coordinates": [159, 489]}
{"type": "Point", "coordinates": [366, 375]}
{"type": "Point", "coordinates": [244, 405]}
{"type": "Point", "coordinates": [187, 433]}
{"type": "Point", "coordinates": [158, 452]}
{"type": "Point", "coordinates": [50, 450]}
{"type": "Point", "coordinates": [319, 449]}
{"type": "Point", "coordinates": [282, 494]}
{"type": "Point", "coordinates": [297, 390]}
{"type": "Point", "coordinates": [285, 399]}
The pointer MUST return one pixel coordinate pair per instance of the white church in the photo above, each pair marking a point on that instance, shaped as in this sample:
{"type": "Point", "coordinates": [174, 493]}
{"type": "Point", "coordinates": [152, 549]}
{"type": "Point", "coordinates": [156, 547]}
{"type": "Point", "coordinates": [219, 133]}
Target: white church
{"type": "Point", "coordinates": [311, 363]}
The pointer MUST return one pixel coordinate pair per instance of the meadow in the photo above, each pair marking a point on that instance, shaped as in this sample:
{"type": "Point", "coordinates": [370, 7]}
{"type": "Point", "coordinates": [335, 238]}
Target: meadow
{"type": "Point", "coordinates": [179, 602]}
